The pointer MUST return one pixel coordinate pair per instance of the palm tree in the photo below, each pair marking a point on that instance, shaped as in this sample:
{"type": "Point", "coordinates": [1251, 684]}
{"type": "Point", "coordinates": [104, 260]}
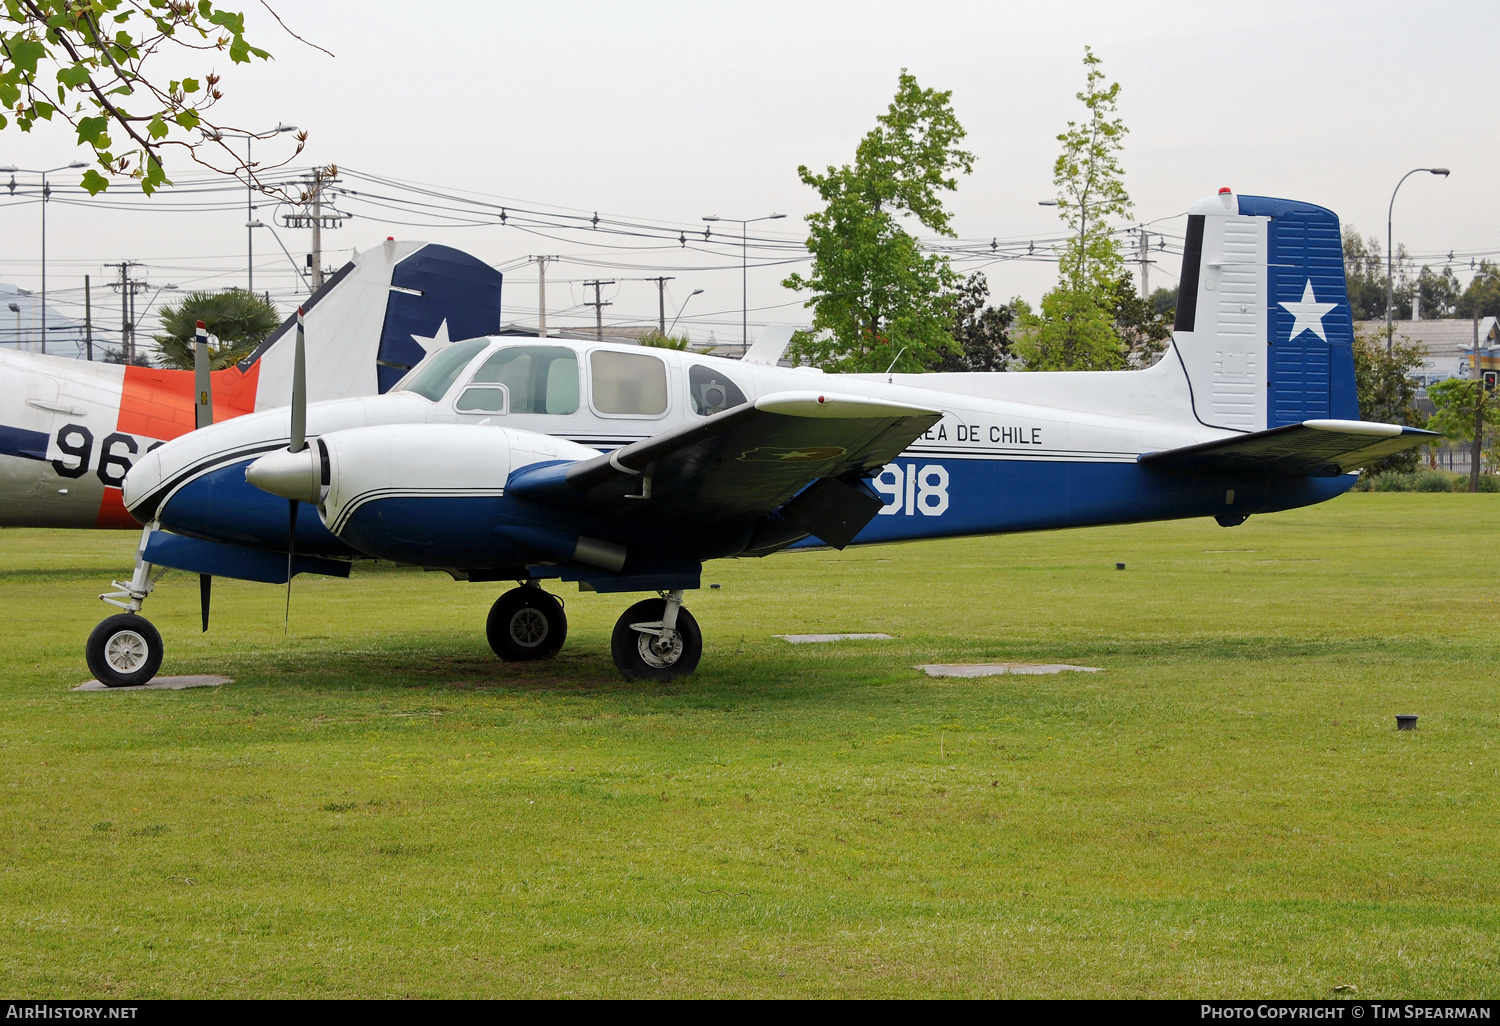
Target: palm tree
{"type": "Point", "coordinates": [240, 319]}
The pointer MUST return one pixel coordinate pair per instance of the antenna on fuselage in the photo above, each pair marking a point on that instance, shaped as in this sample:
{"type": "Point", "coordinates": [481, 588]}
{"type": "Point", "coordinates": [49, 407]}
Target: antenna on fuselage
{"type": "Point", "coordinates": [892, 366]}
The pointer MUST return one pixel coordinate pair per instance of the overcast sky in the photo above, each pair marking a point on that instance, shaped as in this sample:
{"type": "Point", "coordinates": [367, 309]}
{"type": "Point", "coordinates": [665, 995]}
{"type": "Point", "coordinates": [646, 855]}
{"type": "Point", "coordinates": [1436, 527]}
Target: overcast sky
{"type": "Point", "coordinates": [670, 111]}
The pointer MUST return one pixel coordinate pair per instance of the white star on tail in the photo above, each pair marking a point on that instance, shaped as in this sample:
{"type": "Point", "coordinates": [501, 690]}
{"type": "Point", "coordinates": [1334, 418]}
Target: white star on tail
{"type": "Point", "coordinates": [1309, 314]}
{"type": "Point", "coordinates": [438, 340]}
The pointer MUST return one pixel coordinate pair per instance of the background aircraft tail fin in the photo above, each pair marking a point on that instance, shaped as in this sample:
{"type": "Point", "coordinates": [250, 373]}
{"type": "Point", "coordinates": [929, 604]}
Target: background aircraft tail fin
{"type": "Point", "coordinates": [1263, 327]}
{"type": "Point", "coordinates": [378, 316]}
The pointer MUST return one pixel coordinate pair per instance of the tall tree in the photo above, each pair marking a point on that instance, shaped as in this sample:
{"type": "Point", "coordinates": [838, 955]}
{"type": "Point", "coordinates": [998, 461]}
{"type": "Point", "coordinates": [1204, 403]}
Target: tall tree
{"type": "Point", "coordinates": [1144, 330]}
{"type": "Point", "coordinates": [1076, 327]}
{"type": "Point", "coordinates": [1482, 296]}
{"type": "Point", "coordinates": [97, 66]}
{"type": "Point", "coordinates": [1386, 390]}
{"type": "Point", "coordinates": [240, 319]}
{"type": "Point", "coordinates": [981, 331]}
{"type": "Point", "coordinates": [876, 297]}
{"type": "Point", "coordinates": [1463, 406]}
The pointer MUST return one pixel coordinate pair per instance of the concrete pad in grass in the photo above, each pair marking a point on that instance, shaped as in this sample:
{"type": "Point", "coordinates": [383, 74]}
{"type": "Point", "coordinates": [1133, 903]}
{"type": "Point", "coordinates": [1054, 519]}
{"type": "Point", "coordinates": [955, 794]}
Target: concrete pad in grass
{"type": "Point", "coordinates": [994, 669]}
{"type": "Point", "coordinates": [202, 680]}
{"type": "Point", "coordinates": [803, 639]}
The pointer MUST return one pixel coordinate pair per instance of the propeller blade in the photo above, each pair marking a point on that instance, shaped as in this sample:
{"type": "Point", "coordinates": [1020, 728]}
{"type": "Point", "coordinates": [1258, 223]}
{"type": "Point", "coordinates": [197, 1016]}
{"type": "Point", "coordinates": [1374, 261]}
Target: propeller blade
{"type": "Point", "coordinates": [205, 589]}
{"type": "Point", "coordinates": [299, 391]}
{"type": "Point", "coordinates": [202, 383]}
{"type": "Point", "coordinates": [291, 547]}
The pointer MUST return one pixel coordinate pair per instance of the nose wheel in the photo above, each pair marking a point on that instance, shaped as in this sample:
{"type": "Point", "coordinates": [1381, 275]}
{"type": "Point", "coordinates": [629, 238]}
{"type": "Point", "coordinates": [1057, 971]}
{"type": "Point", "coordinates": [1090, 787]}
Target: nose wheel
{"type": "Point", "coordinates": [657, 640]}
{"type": "Point", "coordinates": [124, 650]}
{"type": "Point", "coordinates": [526, 623]}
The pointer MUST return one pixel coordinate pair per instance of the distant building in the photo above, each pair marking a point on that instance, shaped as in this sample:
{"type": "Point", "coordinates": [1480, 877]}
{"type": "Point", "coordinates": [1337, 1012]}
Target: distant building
{"type": "Point", "coordinates": [21, 326]}
{"type": "Point", "coordinates": [1449, 345]}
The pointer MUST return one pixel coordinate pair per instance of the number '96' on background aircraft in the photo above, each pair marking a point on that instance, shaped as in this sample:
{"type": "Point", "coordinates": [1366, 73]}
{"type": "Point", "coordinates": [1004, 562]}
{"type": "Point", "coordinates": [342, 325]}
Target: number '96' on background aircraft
{"type": "Point", "coordinates": [624, 469]}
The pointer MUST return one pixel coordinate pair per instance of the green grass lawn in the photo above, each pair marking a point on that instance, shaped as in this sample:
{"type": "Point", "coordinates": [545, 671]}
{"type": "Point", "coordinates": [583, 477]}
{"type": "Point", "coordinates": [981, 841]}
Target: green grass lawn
{"type": "Point", "coordinates": [377, 806]}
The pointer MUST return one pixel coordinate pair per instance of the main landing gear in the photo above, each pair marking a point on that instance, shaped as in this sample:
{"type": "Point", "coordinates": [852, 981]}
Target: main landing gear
{"type": "Point", "coordinates": [654, 640]}
{"type": "Point", "coordinates": [657, 640]}
{"type": "Point", "coordinates": [526, 623]}
{"type": "Point", "coordinates": [125, 649]}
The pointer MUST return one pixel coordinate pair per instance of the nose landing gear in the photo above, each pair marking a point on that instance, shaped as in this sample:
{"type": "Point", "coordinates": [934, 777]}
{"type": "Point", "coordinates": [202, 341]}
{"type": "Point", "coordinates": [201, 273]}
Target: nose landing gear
{"type": "Point", "coordinates": [125, 650]}
{"type": "Point", "coordinates": [657, 639]}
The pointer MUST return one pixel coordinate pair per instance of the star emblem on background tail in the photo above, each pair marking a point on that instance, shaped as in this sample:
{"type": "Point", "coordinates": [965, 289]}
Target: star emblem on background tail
{"type": "Point", "coordinates": [1309, 313]}
{"type": "Point", "coordinates": [437, 341]}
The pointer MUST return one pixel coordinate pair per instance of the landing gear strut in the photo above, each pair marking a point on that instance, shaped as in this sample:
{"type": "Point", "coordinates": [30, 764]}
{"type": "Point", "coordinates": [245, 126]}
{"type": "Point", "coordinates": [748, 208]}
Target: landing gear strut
{"type": "Point", "coordinates": [526, 623]}
{"type": "Point", "coordinates": [657, 640]}
{"type": "Point", "coordinates": [125, 649]}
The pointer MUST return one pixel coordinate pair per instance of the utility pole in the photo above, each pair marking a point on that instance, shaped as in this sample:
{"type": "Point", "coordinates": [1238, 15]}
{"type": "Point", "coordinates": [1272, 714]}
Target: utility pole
{"type": "Point", "coordinates": [312, 216]}
{"type": "Point", "coordinates": [1145, 264]}
{"type": "Point", "coordinates": [88, 319]}
{"type": "Point", "coordinates": [598, 305]}
{"type": "Point", "coordinates": [541, 293]}
{"type": "Point", "coordinates": [128, 288]}
{"type": "Point", "coordinates": [661, 302]}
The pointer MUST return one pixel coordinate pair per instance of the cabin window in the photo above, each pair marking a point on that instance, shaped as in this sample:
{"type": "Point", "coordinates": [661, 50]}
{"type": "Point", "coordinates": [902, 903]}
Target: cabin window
{"type": "Point", "coordinates": [628, 384]}
{"type": "Point", "coordinates": [482, 399]}
{"type": "Point", "coordinates": [711, 391]}
{"type": "Point", "coordinates": [432, 378]}
{"type": "Point", "coordinates": [538, 379]}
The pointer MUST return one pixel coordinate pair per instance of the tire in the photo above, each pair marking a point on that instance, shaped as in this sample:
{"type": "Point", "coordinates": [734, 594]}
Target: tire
{"type": "Point", "coordinates": [124, 651]}
{"type": "Point", "coordinates": [526, 623]}
{"type": "Point", "coordinates": [639, 659]}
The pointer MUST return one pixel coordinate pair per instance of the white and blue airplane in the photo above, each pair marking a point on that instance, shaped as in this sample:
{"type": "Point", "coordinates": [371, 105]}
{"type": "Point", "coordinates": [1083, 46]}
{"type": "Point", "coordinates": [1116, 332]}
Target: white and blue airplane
{"type": "Point", "coordinates": [624, 469]}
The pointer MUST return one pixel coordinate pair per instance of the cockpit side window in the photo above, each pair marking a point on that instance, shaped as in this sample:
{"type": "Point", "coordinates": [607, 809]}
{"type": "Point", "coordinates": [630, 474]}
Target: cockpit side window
{"type": "Point", "coordinates": [628, 384]}
{"type": "Point", "coordinates": [539, 379]}
{"type": "Point", "coordinates": [432, 378]}
{"type": "Point", "coordinates": [711, 391]}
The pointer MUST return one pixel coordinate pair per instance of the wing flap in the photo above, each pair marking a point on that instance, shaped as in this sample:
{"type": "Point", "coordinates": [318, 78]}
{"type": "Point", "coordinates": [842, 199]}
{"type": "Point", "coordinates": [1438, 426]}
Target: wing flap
{"type": "Point", "coordinates": [1310, 449]}
{"type": "Point", "coordinates": [740, 464]}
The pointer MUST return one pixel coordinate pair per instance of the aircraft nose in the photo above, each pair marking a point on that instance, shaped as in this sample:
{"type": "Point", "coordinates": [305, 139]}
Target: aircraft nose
{"type": "Point", "coordinates": [291, 475]}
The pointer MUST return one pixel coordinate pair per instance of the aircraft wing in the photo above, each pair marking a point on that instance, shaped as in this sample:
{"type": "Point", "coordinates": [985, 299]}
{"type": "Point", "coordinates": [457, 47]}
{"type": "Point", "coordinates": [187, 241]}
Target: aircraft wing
{"type": "Point", "coordinates": [1312, 448]}
{"type": "Point", "coordinates": [745, 463]}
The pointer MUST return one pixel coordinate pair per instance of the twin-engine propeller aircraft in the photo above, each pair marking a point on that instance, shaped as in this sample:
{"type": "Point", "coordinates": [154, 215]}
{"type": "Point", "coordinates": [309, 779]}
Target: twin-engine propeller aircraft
{"type": "Point", "coordinates": [71, 430]}
{"type": "Point", "coordinates": [486, 459]}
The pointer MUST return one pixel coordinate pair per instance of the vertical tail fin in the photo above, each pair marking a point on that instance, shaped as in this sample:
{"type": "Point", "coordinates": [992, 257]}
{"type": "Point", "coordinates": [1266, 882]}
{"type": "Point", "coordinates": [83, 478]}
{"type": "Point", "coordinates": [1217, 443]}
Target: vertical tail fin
{"type": "Point", "coordinates": [1263, 327]}
{"type": "Point", "coordinates": [376, 317]}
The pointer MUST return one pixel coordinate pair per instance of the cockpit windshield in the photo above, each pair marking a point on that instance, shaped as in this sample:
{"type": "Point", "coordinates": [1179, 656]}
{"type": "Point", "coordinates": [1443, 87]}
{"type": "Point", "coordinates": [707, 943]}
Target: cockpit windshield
{"type": "Point", "coordinates": [432, 378]}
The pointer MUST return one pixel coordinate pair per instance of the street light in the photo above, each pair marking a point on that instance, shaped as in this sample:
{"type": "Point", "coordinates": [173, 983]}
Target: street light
{"type": "Point", "coordinates": [744, 269]}
{"type": "Point", "coordinates": [1390, 301]}
{"type": "Point", "coordinates": [682, 308]}
{"type": "Point", "coordinates": [45, 193]}
{"type": "Point", "coordinates": [250, 222]}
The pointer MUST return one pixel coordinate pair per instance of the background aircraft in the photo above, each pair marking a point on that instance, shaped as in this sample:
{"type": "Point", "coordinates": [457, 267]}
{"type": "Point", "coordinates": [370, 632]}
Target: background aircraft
{"type": "Point", "coordinates": [484, 460]}
{"type": "Point", "coordinates": [71, 430]}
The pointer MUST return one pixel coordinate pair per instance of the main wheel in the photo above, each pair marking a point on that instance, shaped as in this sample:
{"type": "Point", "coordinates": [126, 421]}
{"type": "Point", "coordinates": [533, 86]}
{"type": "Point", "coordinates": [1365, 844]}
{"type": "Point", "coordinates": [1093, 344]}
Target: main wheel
{"type": "Point", "coordinates": [526, 623]}
{"type": "Point", "coordinates": [124, 650]}
{"type": "Point", "coordinates": [643, 656]}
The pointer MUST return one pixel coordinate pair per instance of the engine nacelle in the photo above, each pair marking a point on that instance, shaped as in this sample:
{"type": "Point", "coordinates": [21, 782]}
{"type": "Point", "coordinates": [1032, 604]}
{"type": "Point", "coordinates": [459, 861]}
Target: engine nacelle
{"type": "Point", "coordinates": [428, 494]}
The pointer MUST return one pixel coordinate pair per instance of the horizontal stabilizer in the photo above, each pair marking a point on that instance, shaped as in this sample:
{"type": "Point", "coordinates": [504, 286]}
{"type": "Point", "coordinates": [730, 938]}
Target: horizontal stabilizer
{"type": "Point", "coordinates": [1313, 448]}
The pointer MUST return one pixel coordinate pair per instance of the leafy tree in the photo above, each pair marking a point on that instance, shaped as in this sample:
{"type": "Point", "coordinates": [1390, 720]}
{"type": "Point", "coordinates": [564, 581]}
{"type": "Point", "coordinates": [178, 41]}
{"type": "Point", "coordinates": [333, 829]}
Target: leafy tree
{"type": "Point", "coordinates": [1164, 303]}
{"type": "Point", "coordinates": [1143, 330]}
{"type": "Point", "coordinates": [240, 319]}
{"type": "Point", "coordinates": [1386, 390]}
{"type": "Point", "coordinates": [1438, 290]}
{"type": "Point", "coordinates": [1076, 328]}
{"type": "Point", "coordinates": [657, 340]}
{"type": "Point", "coordinates": [85, 62]}
{"type": "Point", "coordinates": [1461, 406]}
{"type": "Point", "coordinates": [1364, 272]}
{"type": "Point", "coordinates": [1482, 297]}
{"type": "Point", "coordinates": [981, 331]}
{"type": "Point", "coordinates": [876, 297]}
